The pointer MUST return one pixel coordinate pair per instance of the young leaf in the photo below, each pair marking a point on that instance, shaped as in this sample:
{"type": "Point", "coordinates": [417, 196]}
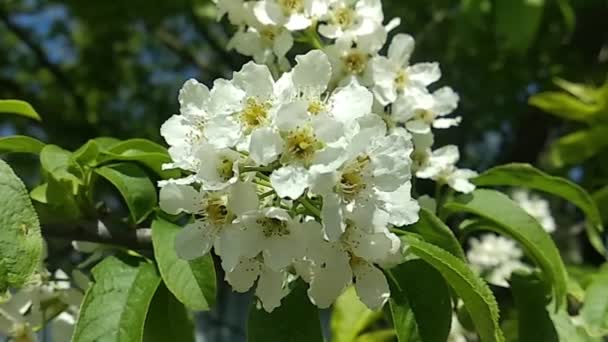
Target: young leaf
{"type": "Point", "coordinates": [168, 319]}
{"type": "Point", "coordinates": [142, 151]}
{"type": "Point", "coordinates": [423, 289]}
{"type": "Point", "coordinates": [135, 187]}
{"type": "Point", "coordinates": [58, 163]}
{"type": "Point", "coordinates": [525, 175]}
{"type": "Point", "coordinates": [20, 144]}
{"type": "Point", "coordinates": [194, 282]}
{"type": "Point", "coordinates": [565, 106]}
{"type": "Point", "coordinates": [296, 320]}
{"type": "Point", "coordinates": [507, 217]}
{"type": "Point", "coordinates": [116, 304]}
{"type": "Point", "coordinates": [579, 146]}
{"type": "Point", "coordinates": [531, 300]}
{"type": "Point", "coordinates": [595, 308]}
{"type": "Point", "coordinates": [385, 335]}
{"type": "Point", "coordinates": [86, 154]}
{"type": "Point", "coordinates": [20, 108]}
{"type": "Point", "coordinates": [20, 239]}
{"type": "Point", "coordinates": [568, 331]}
{"type": "Point", "coordinates": [474, 292]}
{"type": "Point", "coordinates": [350, 317]}
{"type": "Point", "coordinates": [433, 230]}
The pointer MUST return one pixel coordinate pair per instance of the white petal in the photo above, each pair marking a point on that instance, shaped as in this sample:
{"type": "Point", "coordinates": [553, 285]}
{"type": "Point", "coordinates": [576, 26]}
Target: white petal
{"type": "Point", "coordinates": [400, 206]}
{"type": "Point", "coordinates": [459, 180]}
{"type": "Point", "coordinates": [194, 240]}
{"type": "Point", "coordinates": [225, 98]}
{"type": "Point", "coordinates": [424, 73]}
{"type": "Point", "coordinates": [332, 217]}
{"type": "Point", "coordinates": [243, 198]}
{"type": "Point", "coordinates": [290, 181]}
{"type": "Point", "coordinates": [270, 289]}
{"type": "Point", "coordinates": [331, 276]}
{"type": "Point", "coordinates": [418, 126]}
{"type": "Point", "coordinates": [297, 22]}
{"type": "Point", "coordinates": [371, 247]}
{"type": "Point", "coordinates": [401, 49]}
{"type": "Point", "coordinates": [242, 277]}
{"type": "Point", "coordinates": [238, 241]}
{"type": "Point", "coordinates": [175, 198]}
{"type": "Point", "coordinates": [193, 97]}
{"type": "Point", "coordinates": [312, 71]}
{"type": "Point", "coordinates": [283, 43]}
{"type": "Point", "coordinates": [351, 102]}
{"type": "Point", "coordinates": [175, 130]}
{"type": "Point", "coordinates": [292, 115]}
{"type": "Point", "coordinates": [223, 132]}
{"type": "Point", "coordinates": [255, 80]}
{"type": "Point", "coordinates": [371, 285]}
{"type": "Point", "coordinates": [446, 123]}
{"type": "Point", "coordinates": [446, 101]}
{"type": "Point", "coordinates": [265, 146]}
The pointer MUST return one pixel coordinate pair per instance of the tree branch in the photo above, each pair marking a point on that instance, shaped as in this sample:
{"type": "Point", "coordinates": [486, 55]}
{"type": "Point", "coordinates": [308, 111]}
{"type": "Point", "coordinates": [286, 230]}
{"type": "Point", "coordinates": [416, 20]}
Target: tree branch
{"type": "Point", "coordinates": [42, 58]}
{"type": "Point", "coordinates": [98, 231]}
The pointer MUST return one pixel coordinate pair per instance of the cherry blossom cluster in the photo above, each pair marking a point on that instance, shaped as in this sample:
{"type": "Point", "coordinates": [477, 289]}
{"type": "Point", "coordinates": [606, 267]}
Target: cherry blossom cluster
{"type": "Point", "coordinates": [302, 168]}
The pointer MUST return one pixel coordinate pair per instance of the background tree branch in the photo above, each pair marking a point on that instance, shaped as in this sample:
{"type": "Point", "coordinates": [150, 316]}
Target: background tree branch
{"type": "Point", "coordinates": [98, 231]}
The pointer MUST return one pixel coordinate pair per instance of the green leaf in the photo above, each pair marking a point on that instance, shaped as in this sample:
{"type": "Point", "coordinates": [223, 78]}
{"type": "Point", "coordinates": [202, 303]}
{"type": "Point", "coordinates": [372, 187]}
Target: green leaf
{"type": "Point", "coordinates": [86, 154]}
{"type": "Point", "coordinates": [402, 314]}
{"type": "Point", "coordinates": [385, 335]}
{"type": "Point", "coordinates": [508, 218]}
{"type": "Point", "coordinates": [433, 230]}
{"type": "Point", "coordinates": [55, 202]}
{"type": "Point", "coordinates": [525, 175]}
{"type": "Point", "coordinates": [20, 144]}
{"type": "Point", "coordinates": [116, 303]}
{"type": "Point", "coordinates": [568, 13]}
{"type": "Point", "coordinates": [58, 163]}
{"type": "Point", "coordinates": [350, 317]}
{"type": "Point", "coordinates": [600, 197]}
{"type": "Point", "coordinates": [136, 188]}
{"type": "Point", "coordinates": [428, 297]}
{"type": "Point", "coordinates": [20, 239]}
{"type": "Point", "coordinates": [565, 106]}
{"type": "Point", "coordinates": [474, 292]}
{"type": "Point", "coordinates": [168, 319]}
{"type": "Point", "coordinates": [531, 300]}
{"type": "Point", "coordinates": [20, 108]}
{"type": "Point", "coordinates": [517, 22]}
{"type": "Point", "coordinates": [579, 146]}
{"type": "Point", "coordinates": [296, 320]}
{"type": "Point", "coordinates": [595, 307]}
{"type": "Point", "coordinates": [568, 331]}
{"type": "Point", "coordinates": [194, 282]}
{"type": "Point", "coordinates": [143, 151]}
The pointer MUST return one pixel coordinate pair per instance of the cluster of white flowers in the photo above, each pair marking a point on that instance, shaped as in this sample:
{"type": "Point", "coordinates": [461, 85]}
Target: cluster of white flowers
{"type": "Point", "coordinates": [48, 301]}
{"type": "Point", "coordinates": [497, 257]}
{"type": "Point", "coordinates": [302, 171]}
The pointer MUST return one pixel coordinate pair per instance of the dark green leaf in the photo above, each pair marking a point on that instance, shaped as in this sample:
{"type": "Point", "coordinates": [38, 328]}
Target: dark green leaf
{"type": "Point", "coordinates": [600, 198]}
{"type": "Point", "coordinates": [116, 304]}
{"type": "Point", "coordinates": [20, 144]}
{"type": "Point", "coordinates": [20, 239]}
{"type": "Point", "coordinates": [136, 188]}
{"type": "Point", "coordinates": [433, 230]}
{"type": "Point", "coordinates": [525, 175]}
{"type": "Point", "coordinates": [168, 319]}
{"type": "Point", "coordinates": [428, 297]}
{"type": "Point", "coordinates": [194, 282]}
{"type": "Point", "coordinates": [402, 314]}
{"type": "Point", "coordinates": [20, 108]}
{"type": "Point", "coordinates": [517, 22]}
{"type": "Point", "coordinates": [531, 300]}
{"type": "Point", "coordinates": [474, 292]}
{"type": "Point", "coordinates": [55, 202]}
{"type": "Point", "coordinates": [296, 320]}
{"type": "Point", "coordinates": [510, 219]}
{"type": "Point", "coordinates": [350, 317]}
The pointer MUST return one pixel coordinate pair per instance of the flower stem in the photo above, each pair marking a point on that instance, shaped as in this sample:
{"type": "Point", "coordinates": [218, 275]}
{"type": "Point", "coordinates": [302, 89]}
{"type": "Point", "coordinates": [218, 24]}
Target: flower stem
{"type": "Point", "coordinates": [310, 207]}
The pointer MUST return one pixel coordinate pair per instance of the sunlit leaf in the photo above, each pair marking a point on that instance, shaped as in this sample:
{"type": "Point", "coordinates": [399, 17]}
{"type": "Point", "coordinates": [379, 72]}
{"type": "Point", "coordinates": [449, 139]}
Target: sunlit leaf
{"type": "Point", "coordinates": [20, 144]}
{"type": "Point", "coordinates": [20, 108]}
{"type": "Point", "coordinates": [350, 317]}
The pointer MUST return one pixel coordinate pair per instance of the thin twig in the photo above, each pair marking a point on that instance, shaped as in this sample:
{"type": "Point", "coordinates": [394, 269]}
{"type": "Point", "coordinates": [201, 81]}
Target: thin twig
{"type": "Point", "coordinates": [98, 231]}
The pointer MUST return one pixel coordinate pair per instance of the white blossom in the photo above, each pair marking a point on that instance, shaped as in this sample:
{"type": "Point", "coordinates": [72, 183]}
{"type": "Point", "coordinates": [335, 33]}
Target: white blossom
{"type": "Point", "coordinates": [536, 207]}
